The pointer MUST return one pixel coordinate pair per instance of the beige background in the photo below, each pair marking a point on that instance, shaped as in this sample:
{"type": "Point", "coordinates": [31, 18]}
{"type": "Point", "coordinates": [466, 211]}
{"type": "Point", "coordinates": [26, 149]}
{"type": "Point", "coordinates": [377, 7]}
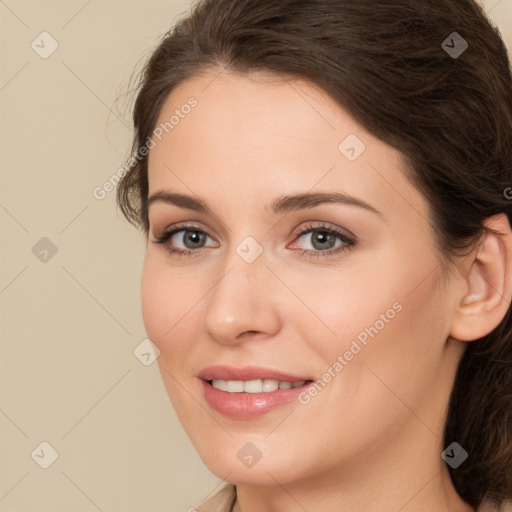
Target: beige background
{"type": "Point", "coordinates": [70, 323]}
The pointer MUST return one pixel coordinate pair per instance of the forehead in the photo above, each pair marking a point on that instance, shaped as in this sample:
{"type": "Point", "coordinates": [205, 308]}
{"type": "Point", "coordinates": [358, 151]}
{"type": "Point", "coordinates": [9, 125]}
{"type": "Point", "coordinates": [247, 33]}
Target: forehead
{"type": "Point", "coordinates": [261, 135]}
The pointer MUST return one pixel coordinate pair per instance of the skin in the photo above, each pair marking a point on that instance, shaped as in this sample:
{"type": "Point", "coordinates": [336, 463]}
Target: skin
{"type": "Point", "coordinates": [372, 438]}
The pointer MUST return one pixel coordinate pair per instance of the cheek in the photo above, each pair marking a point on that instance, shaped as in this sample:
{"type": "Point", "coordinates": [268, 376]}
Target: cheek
{"type": "Point", "coordinates": [166, 309]}
{"type": "Point", "coordinates": [335, 308]}
{"type": "Point", "coordinates": [164, 301]}
{"type": "Point", "coordinates": [153, 301]}
{"type": "Point", "coordinates": [383, 320]}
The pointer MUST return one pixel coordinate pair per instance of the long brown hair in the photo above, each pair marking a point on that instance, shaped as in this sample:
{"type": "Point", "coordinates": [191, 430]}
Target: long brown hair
{"type": "Point", "coordinates": [444, 100]}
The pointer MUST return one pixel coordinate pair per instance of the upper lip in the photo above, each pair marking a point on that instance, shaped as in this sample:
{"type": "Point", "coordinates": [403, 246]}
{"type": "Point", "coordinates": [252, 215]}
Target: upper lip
{"type": "Point", "coordinates": [247, 373]}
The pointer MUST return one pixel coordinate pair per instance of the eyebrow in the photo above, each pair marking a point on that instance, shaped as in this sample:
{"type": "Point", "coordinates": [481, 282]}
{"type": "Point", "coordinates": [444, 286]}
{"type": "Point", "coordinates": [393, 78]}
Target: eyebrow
{"type": "Point", "coordinates": [281, 205]}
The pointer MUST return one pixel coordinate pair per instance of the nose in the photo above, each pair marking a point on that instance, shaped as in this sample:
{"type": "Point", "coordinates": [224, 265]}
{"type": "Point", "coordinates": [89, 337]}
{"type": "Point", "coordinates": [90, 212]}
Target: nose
{"type": "Point", "coordinates": [243, 303]}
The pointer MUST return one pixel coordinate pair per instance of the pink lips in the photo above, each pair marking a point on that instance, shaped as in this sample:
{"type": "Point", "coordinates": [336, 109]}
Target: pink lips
{"type": "Point", "coordinates": [248, 405]}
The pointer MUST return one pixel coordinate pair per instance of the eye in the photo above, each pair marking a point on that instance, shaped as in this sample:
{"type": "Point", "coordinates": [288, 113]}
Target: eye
{"type": "Point", "coordinates": [324, 240]}
{"type": "Point", "coordinates": [191, 238]}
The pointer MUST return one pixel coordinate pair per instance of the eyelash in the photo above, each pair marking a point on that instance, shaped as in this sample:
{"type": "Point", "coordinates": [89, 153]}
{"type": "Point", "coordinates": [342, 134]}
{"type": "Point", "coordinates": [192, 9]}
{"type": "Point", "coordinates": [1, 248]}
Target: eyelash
{"type": "Point", "coordinates": [348, 242]}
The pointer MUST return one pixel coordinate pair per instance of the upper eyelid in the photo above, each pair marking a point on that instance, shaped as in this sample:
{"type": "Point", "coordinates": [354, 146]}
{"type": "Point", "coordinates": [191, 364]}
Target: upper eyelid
{"type": "Point", "coordinates": [190, 225]}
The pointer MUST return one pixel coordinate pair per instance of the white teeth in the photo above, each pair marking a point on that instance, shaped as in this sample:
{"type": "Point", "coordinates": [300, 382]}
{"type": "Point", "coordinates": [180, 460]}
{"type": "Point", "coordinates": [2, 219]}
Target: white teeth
{"type": "Point", "coordinates": [254, 386]}
{"type": "Point", "coordinates": [234, 386]}
{"type": "Point", "coordinates": [220, 384]}
{"type": "Point", "coordinates": [270, 385]}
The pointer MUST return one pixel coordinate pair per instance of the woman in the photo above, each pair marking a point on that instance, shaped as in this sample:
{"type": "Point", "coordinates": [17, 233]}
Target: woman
{"type": "Point", "coordinates": [324, 188]}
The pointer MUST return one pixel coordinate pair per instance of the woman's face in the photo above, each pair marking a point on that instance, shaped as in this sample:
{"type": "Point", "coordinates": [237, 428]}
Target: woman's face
{"type": "Point", "coordinates": [272, 288]}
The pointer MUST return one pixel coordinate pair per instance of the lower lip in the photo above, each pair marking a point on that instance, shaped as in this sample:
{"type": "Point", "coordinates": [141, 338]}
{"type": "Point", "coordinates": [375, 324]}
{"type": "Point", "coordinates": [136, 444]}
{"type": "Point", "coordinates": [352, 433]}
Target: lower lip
{"type": "Point", "coordinates": [248, 405]}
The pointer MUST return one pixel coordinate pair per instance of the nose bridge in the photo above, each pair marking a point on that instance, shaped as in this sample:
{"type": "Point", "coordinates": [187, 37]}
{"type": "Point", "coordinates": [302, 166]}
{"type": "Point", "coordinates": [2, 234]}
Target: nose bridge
{"type": "Point", "coordinates": [239, 301]}
{"type": "Point", "coordinates": [246, 262]}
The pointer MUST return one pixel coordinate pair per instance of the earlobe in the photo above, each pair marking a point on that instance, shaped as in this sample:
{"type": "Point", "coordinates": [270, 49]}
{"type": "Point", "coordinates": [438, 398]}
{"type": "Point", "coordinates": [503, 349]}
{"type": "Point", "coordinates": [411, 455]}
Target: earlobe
{"type": "Point", "coordinates": [488, 283]}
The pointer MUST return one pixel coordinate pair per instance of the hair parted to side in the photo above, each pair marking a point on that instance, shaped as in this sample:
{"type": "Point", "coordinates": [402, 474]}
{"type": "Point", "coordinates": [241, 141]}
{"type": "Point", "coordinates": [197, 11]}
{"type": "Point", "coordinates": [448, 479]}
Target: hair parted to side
{"type": "Point", "coordinates": [451, 118]}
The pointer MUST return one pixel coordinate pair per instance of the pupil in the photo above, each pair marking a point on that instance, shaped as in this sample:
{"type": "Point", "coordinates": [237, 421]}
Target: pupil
{"type": "Point", "coordinates": [195, 237]}
{"type": "Point", "coordinates": [322, 237]}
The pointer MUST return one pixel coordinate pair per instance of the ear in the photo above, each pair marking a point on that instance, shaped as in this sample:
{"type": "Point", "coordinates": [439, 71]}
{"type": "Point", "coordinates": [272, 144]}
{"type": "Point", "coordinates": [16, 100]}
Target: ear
{"type": "Point", "coordinates": [487, 286]}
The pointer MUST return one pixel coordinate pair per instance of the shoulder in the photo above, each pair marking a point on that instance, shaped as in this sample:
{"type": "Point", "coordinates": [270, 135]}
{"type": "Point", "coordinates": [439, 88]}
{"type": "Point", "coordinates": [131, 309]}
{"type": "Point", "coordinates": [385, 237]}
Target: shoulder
{"type": "Point", "coordinates": [223, 501]}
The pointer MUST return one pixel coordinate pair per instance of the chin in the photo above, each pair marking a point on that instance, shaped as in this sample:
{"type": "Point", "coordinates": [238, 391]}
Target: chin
{"type": "Point", "coordinates": [240, 462]}
{"type": "Point", "coordinates": [257, 475]}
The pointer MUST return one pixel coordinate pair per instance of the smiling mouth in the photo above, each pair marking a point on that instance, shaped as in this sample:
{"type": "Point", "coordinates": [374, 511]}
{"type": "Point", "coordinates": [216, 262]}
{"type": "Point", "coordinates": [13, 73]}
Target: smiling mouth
{"type": "Point", "coordinates": [256, 385]}
{"type": "Point", "coordinates": [251, 392]}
